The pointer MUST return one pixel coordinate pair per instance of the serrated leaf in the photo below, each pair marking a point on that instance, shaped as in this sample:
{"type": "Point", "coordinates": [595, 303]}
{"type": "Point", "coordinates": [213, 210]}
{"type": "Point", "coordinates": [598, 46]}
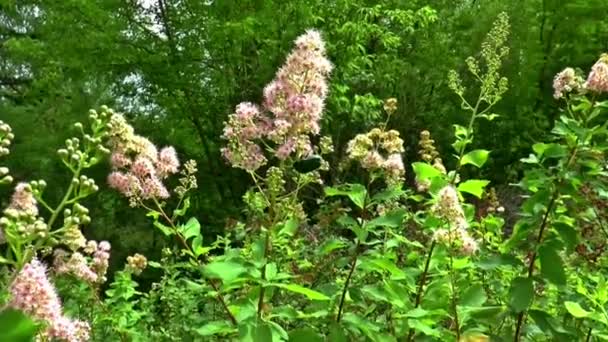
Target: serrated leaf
{"type": "Point", "coordinates": [551, 265]}
{"type": "Point", "coordinates": [473, 186]}
{"type": "Point", "coordinates": [521, 294]}
{"type": "Point", "coordinates": [310, 294]}
{"type": "Point", "coordinates": [576, 310]}
{"type": "Point", "coordinates": [475, 157]}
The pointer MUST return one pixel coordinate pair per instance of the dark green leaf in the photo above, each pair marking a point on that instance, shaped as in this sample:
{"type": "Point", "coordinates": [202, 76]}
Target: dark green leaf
{"type": "Point", "coordinates": [474, 296]}
{"type": "Point", "coordinates": [551, 265]}
{"type": "Point", "coordinates": [356, 192]}
{"type": "Point", "coordinates": [521, 294]}
{"type": "Point", "coordinates": [305, 335]}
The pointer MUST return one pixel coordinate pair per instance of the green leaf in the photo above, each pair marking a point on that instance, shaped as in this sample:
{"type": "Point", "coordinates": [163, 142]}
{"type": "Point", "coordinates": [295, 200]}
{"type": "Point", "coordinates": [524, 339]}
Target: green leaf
{"type": "Point", "coordinates": [15, 326]}
{"type": "Point", "coordinates": [256, 332]}
{"type": "Point", "coordinates": [271, 271]}
{"type": "Point", "coordinates": [521, 294]}
{"type": "Point", "coordinates": [392, 219]}
{"type": "Point", "coordinates": [305, 335]}
{"type": "Point", "coordinates": [551, 265]}
{"type": "Point", "coordinates": [475, 157]}
{"type": "Point", "coordinates": [494, 261]}
{"type": "Point", "coordinates": [184, 208]}
{"type": "Point", "coordinates": [425, 171]}
{"type": "Point", "coordinates": [356, 192]}
{"type": "Point", "coordinates": [290, 227]}
{"type": "Point", "coordinates": [164, 229]}
{"type": "Point", "coordinates": [576, 310]}
{"type": "Point", "coordinates": [473, 186]}
{"type": "Point", "coordinates": [332, 245]}
{"type": "Point", "coordinates": [311, 294]}
{"type": "Point", "coordinates": [191, 228]}
{"type": "Point", "coordinates": [474, 296]}
{"type": "Point", "coordinates": [336, 334]}
{"type": "Point", "coordinates": [392, 192]}
{"type": "Point", "coordinates": [227, 271]}
{"type": "Point", "coordinates": [214, 328]}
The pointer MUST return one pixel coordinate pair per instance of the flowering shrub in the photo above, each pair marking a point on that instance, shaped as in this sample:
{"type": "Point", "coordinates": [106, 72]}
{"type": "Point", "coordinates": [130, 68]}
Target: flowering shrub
{"type": "Point", "coordinates": [364, 259]}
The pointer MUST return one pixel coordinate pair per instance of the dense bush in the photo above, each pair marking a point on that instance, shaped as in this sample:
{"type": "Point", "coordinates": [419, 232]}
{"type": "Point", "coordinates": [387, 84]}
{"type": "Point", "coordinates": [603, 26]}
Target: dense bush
{"type": "Point", "coordinates": [328, 248]}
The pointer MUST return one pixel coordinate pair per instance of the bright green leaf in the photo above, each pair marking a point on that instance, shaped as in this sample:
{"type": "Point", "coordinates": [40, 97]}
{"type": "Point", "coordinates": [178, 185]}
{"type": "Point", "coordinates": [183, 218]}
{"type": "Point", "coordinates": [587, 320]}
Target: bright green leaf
{"type": "Point", "coordinates": [15, 326]}
{"type": "Point", "coordinates": [473, 186]}
{"type": "Point", "coordinates": [311, 294]}
{"type": "Point", "coordinates": [425, 171]}
{"type": "Point", "coordinates": [227, 271]}
{"type": "Point", "coordinates": [216, 327]}
{"type": "Point", "coordinates": [191, 228]}
{"type": "Point", "coordinates": [475, 157]}
{"type": "Point", "coordinates": [576, 310]}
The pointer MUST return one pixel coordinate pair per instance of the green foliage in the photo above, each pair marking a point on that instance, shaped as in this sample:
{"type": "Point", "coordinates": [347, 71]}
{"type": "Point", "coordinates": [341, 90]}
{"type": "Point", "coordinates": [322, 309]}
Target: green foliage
{"type": "Point", "coordinates": [317, 249]}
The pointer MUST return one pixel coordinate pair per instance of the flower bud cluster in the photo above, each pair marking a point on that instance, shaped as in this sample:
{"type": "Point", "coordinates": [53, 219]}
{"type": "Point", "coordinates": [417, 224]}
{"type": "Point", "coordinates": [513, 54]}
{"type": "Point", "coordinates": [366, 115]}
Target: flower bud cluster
{"type": "Point", "coordinates": [6, 137]}
{"type": "Point", "coordinates": [20, 218]}
{"type": "Point", "coordinates": [293, 105]}
{"type": "Point", "coordinates": [136, 263]}
{"type": "Point", "coordinates": [379, 151]}
{"type": "Point", "coordinates": [188, 180]}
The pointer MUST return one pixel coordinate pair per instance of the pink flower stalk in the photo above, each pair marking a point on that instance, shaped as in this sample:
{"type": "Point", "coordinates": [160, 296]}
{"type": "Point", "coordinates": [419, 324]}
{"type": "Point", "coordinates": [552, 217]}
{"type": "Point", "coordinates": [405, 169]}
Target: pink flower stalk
{"type": "Point", "coordinates": [23, 200]}
{"type": "Point", "coordinates": [138, 166]}
{"type": "Point", "coordinates": [154, 188]}
{"type": "Point", "coordinates": [101, 259]}
{"type": "Point", "coordinates": [76, 265]}
{"type": "Point", "coordinates": [167, 163]}
{"type": "Point", "coordinates": [597, 80]}
{"type": "Point", "coordinates": [143, 168]}
{"type": "Point", "coordinates": [126, 184]}
{"type": "Point", "coordinates": [294, 101]}
{"type": "Point", "coordinates": [33, 293]}
{"type": "Point", "coordinates": [119, 160]}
